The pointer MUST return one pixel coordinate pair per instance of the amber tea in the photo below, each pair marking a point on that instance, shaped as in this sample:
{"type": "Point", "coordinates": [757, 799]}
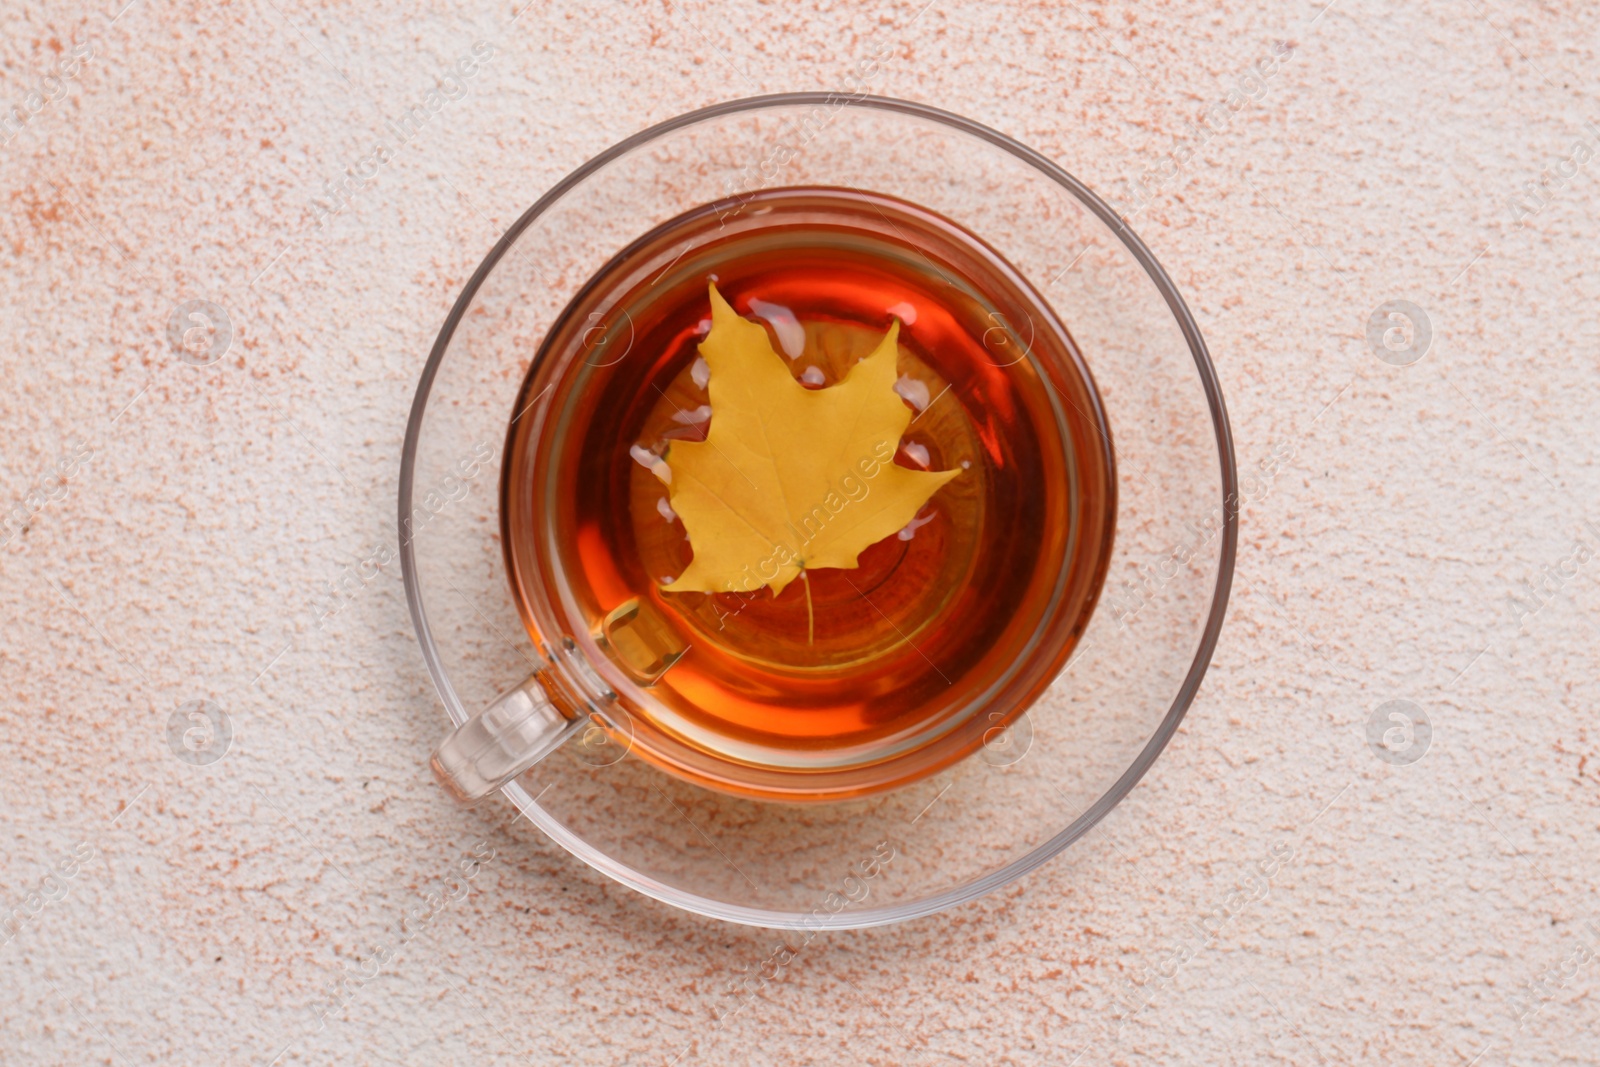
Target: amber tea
{"type": "Point", "coordinates": [819, 482]}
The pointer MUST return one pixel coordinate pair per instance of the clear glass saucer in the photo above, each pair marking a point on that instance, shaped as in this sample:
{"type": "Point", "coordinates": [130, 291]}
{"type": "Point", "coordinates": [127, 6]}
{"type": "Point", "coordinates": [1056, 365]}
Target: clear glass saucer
{"type": "Point", "coordinates": [1042, 782]}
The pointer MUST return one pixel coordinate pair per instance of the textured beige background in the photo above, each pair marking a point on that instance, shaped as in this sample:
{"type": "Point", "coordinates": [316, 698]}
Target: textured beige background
{"type": "Point", "coordinates": [1433, 912]}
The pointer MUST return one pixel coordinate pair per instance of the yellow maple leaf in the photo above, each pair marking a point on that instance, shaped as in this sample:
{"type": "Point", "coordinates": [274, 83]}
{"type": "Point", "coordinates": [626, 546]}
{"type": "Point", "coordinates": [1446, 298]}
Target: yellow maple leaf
{"type": "Point", "coordinates": [790, 479]}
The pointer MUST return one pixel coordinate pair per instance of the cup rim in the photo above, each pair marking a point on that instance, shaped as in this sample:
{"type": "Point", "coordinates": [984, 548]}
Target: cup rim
{"type": "Point", "coordinates": [971, 889]}
{"type": "Point", "coordinates": [1080, 581]}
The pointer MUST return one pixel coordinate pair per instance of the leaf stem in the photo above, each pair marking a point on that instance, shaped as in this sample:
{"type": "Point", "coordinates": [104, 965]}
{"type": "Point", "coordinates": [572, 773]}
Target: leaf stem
{"type": "Point", "coordinates": [811, 622]}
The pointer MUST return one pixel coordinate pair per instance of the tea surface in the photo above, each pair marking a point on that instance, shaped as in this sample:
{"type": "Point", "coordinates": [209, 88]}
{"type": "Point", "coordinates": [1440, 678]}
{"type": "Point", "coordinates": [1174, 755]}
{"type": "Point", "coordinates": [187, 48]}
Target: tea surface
{"type": "Point", "coordinates": [944, 628]}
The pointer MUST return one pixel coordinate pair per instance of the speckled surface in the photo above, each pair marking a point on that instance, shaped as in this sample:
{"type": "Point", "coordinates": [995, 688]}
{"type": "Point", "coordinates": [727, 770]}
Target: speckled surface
{"type": "Point", "coordinates": [1428, 541]}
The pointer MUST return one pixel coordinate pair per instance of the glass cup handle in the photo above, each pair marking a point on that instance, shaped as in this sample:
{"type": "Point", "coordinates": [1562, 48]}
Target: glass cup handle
{"type": "Point", "coordinates": [518, 730]}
